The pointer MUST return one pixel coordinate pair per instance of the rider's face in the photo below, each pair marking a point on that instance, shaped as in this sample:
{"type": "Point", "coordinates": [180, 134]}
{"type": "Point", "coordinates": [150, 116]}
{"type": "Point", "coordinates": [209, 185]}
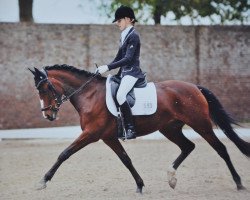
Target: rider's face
{"type": "Point", "coordinates": [123, 23]}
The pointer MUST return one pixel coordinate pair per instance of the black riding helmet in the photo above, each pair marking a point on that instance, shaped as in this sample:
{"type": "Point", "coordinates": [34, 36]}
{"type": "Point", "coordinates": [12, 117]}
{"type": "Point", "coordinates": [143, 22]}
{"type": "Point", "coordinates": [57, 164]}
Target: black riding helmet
{"type": "Point", "coordinates": [124, 11]}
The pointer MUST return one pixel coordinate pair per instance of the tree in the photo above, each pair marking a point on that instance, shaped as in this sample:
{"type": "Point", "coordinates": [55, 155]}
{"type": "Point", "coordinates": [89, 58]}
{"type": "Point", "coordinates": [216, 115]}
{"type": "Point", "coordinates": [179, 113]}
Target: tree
{"type": "Point", "coordinates": [225, 10]}
{"type": "Point", "coordinates": [25, 10]}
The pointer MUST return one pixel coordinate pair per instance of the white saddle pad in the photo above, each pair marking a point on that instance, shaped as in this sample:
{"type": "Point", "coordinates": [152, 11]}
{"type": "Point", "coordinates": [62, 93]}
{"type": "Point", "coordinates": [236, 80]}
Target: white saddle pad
{"type": "Point", "coordinates": [145, 103]}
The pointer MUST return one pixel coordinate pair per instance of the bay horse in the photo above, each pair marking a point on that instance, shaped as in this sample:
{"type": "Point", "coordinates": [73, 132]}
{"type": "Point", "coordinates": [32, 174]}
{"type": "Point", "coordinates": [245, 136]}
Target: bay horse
{"type": "Point", "coordinates": [178, 103]}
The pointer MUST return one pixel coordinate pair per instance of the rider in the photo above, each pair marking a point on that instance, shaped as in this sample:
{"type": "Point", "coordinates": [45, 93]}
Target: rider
{"type": "Point", "coordinates": [127, 59]}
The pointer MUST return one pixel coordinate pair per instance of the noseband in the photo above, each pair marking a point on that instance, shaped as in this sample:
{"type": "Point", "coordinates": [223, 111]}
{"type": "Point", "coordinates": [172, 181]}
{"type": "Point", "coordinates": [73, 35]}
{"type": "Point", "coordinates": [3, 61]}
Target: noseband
{"type": "Point", "coordinates": [57, 97]}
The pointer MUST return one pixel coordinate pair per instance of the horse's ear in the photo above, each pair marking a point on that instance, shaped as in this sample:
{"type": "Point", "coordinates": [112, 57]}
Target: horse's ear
{"type": "Point", "coordinates": [40, 73]}
{"type": "Point", "coordinates": [37, 70]}
{"type": "Point", "coordinates": [32, 71]}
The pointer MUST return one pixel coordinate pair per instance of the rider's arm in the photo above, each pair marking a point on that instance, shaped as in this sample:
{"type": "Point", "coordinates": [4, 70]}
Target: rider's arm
{"type": "Point", "coordinates": [133, 43]}
{"type": "Point", "coordinates": [118, 56]}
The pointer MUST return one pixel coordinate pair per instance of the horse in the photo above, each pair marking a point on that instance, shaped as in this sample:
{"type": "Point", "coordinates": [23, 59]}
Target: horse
{"type": "Point", "coordinates": [178, 103]}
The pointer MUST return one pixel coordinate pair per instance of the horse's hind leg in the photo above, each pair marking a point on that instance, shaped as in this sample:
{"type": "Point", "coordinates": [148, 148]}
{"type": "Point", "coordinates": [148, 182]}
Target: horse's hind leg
{"type": "Point", "coordinates": [208, 134]}
{"type": "Point", "coordinates": [174, 134]}
{"type": "Point", "coordinates": [116, 146]}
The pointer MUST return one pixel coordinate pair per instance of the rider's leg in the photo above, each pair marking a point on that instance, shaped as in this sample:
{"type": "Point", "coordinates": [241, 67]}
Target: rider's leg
{"type": "Point", "coordinates": [127, 83]}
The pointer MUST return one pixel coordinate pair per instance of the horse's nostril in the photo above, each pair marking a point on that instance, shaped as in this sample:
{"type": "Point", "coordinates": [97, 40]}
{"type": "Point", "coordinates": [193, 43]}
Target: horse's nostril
{"type": "Point", "coordinates": [49, 118]}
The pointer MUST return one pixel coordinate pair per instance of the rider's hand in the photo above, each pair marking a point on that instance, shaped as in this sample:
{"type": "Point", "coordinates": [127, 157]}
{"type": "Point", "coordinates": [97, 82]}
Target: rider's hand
{"type": "Point", "coordinates": [102, 69]}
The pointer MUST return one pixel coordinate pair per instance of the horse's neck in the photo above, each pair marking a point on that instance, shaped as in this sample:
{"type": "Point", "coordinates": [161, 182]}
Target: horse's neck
{"type": "Point", "coordinates": [88, 91]}
{"type": "Point", "coordinates": [70, 82]}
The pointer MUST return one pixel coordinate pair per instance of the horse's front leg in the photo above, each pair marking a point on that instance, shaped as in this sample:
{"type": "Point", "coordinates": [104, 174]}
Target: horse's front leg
{"type": "Point", "coordinates": [83, 140]}
{"type": "Point", "coordinates": [116, 146]}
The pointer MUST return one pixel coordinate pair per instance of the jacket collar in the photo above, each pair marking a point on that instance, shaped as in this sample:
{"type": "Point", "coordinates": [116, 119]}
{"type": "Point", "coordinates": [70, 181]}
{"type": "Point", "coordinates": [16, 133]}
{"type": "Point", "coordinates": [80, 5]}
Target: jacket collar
{"type": "Point", "coordinates": [127, 35]}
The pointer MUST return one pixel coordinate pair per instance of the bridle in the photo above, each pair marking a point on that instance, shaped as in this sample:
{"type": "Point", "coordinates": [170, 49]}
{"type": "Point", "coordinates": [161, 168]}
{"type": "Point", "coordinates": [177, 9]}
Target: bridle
{"type": "Point", "coordinates": [58, 98]}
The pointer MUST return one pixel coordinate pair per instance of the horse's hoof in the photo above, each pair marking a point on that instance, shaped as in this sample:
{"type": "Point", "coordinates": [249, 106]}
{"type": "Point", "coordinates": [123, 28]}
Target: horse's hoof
{"type": "Point", "coordinates": [139, 190]}
{"type": "Point", "coordinates": [41, 185]}
{"type": "Point", "coordinates": [140, 185]}
{"type": "Point", "coordinates": [172, 182]}
{"type": "Point", "coordinates": [171, 178]}
{"type": "Point", "coordinates": [240, 187]}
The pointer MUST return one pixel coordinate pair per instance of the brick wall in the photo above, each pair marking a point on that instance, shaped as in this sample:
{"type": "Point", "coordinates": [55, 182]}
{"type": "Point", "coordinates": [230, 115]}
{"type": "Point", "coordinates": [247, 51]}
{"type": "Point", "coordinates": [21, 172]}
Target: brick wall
{"type": "Point", "coordinates": [216, 57]}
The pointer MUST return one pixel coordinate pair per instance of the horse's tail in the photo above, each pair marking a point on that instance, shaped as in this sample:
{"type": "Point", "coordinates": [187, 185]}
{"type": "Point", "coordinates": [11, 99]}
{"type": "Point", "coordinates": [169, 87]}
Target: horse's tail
{"type": "Point", "coordinates": [222, 119]}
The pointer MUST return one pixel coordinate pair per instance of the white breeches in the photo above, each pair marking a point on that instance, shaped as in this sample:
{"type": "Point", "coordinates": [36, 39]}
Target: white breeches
{"type": "Point", "coordinates": [127, 83]}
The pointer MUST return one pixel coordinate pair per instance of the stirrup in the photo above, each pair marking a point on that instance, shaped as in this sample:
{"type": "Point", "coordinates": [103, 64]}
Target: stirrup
{"type": "Point", "coordinates": [130, 134]}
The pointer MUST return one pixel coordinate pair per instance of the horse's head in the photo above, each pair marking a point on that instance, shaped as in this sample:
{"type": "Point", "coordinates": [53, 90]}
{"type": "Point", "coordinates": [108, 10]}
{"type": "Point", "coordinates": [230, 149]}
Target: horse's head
{"type": "Point", "coordinates": [49, 92]}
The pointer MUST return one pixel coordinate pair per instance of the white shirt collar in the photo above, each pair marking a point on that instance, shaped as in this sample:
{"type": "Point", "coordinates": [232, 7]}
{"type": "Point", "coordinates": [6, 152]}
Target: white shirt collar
{"type": "Point", "coordinates": [125, 32]}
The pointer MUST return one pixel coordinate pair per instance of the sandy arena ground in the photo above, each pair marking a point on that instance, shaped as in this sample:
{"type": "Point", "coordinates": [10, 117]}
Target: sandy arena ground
{"type": "Point", "coordinates": [96, 172]}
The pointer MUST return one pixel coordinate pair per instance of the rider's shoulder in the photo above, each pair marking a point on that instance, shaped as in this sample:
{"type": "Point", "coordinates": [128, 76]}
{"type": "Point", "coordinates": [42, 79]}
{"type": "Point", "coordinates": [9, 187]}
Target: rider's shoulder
{"type": "Point", "coordinates": [135, 35]}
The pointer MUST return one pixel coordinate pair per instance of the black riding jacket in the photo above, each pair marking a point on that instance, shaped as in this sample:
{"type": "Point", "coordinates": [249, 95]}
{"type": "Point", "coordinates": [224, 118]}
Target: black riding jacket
{"type": "Point", "coordinates": [128, 55]}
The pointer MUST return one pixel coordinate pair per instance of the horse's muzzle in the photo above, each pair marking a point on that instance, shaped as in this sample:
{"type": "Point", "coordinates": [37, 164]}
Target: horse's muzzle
{"type": "Point", "coordinates": [50, 112]}
{"type": "Point", "coordinates": [50, 118]}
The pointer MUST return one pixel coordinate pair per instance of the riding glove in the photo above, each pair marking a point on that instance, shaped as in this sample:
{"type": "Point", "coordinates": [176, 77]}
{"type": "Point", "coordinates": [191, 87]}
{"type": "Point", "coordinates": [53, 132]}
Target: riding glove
{"type": "Point", "coordinates": [102, 69]}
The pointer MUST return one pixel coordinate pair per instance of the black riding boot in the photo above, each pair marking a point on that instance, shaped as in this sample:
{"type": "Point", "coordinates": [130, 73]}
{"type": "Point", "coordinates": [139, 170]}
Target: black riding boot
{"type": "Point", "coordinates": [128, 120]}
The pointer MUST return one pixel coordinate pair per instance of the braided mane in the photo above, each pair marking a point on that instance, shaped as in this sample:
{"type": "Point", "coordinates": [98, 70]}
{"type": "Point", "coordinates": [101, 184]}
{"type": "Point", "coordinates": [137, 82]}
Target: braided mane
{"type": "Point", "coordinates": [72, 69]}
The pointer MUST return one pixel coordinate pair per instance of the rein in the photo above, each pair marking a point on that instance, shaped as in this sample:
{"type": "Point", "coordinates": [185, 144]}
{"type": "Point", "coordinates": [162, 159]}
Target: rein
{"type": "Point", "coordinates": [59, 101]}
{"type": "Point", "coordinates": [66, 98]}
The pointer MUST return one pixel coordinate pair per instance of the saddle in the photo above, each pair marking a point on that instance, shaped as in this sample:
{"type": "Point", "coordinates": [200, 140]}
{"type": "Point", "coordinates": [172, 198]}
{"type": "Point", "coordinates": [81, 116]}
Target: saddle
{"type": "Point", "coordinates": [115, 82]}
{"type": "Point", "coordinates": [142, 100]}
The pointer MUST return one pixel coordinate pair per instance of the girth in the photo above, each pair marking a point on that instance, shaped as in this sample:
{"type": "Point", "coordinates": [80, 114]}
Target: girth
{"type": "Point", "coordinates": [115, 82]}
